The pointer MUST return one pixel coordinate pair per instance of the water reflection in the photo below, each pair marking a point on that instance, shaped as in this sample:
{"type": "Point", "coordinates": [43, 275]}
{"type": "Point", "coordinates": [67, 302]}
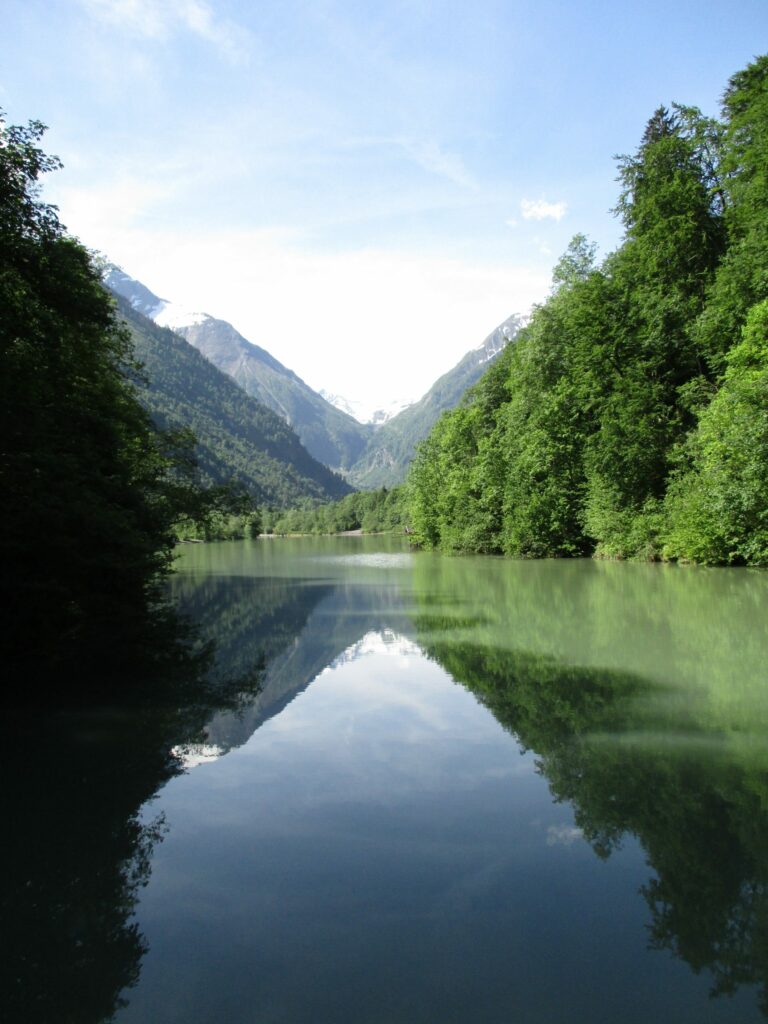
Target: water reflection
{"type": "Point", "coordinates": [639, 690]}
{"type": "Point", "coordinates": [77, 848]}
{"type": "Point", "coordinates": [304, 626]}
{"type": "Point", "coordinates": [677, 757]}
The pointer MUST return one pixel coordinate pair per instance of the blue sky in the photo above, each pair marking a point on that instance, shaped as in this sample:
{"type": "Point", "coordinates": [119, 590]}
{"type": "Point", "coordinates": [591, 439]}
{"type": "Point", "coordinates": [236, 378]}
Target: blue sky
{"type": "Point", "coordinates": [365, 189]}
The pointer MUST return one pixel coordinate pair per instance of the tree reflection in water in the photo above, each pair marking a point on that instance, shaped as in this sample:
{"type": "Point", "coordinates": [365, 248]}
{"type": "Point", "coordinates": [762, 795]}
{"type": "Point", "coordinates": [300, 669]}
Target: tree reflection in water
{"type": "Point", "coordinates": [77, 844]}
{"type": "Point", "coordinates": [694, 795]}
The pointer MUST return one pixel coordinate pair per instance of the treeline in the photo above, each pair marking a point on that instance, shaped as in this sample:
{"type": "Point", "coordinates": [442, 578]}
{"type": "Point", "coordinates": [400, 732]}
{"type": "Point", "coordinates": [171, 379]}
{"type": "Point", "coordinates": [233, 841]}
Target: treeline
{"type": "Point", "coordinates": [369, 511]}
{"type": "Point", "coordinates": [630, 419]}
{"type": "Point", "coordinates": [91, 489]}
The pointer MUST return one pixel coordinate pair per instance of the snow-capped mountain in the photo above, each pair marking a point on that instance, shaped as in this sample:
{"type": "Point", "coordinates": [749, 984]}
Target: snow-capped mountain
{"type": "Point", "coordinates": [371, 447]}
{"type": "Point", "coordinates": [499, 339]}
{"type": "Point", "coordinates": [329, 434]}
{"type": "Point", "coordinates": [170, 314]}
{"type": "Point", "coordinates": [364, 412]}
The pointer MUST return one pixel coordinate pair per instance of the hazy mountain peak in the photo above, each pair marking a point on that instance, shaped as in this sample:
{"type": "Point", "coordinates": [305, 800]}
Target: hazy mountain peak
{"type": "Point", "coordinates": [370, 445]}
{"type": "Point", "coordinates": [144, 301]}
{"type": "Point", "coordinates": [140, 297]}
{"type": "Point", "coordinates": [365, 412]}
{"type": "Point", "coordinates": [500, 337]}
{"type": "Point", "coordinates": [391, 447]}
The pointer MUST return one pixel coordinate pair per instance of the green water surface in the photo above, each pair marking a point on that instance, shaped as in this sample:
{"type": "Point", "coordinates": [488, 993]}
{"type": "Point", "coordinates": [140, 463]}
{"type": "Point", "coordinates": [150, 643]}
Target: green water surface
{"type": "Point", "coordinates": [408, 788]}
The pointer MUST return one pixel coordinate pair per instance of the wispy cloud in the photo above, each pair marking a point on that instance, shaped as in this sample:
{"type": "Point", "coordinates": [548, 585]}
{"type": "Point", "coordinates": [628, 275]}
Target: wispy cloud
{"type": "Point", "coordinates": [563, 835]}
{"type": "Point", "coordinates": [161, 19]}
{"type": "Point", "coordinates": [433, 158]}
{"type": "Point", "coordinates": [540, 209]}
{"type": "Point", "coordinates": [428, 154]}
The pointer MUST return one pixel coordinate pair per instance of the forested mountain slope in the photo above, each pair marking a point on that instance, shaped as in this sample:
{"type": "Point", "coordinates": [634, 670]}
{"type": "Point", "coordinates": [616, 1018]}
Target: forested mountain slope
{"type": "Point", "coordinates": [239, 440]}
{"type": "Point", "coordinates": [330, 435]}
{"type": "Point", "coordinates": [385, 461]}
{"type": "Point", "coordinates": [631, 418]}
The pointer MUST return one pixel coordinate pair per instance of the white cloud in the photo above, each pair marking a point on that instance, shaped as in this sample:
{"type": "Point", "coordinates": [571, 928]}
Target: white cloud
{"type": "Point", "coordinates": [540, 209]}
{"type": "Point", "coordinates": [563, 835]}
{"type": "Point", "coordinates": [160, 19]}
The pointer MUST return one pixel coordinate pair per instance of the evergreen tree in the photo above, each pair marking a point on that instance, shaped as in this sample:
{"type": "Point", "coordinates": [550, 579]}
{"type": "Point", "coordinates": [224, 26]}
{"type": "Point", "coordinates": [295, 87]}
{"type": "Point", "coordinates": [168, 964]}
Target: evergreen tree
{"type": "Point", "coordinates": [742, 278]}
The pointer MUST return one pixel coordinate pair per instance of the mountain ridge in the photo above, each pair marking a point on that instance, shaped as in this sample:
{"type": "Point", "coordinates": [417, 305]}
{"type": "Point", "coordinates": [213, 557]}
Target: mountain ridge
{"type": "Point", "coordinates": [385, 460]}
{"type": "Point", "coordinates": [239, 440]}
{"type": "Point", "coordinates": [330, 435]}
{"type": "Point", "coordinates": [367, 454]}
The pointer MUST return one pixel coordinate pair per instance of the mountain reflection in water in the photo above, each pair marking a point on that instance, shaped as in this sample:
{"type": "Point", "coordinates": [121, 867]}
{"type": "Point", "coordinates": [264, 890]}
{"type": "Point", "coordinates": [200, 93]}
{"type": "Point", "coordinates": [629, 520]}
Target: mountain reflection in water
{"type": "Point", "coordinates": [639, 691]}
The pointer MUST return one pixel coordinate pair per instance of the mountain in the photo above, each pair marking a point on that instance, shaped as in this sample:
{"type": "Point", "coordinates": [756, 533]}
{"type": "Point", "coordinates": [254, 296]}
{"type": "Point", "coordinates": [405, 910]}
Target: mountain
{"type": "Point", "coordinates": [369, 454]}
{"type": "Point", "coordinates": [240, 441]}
{"type": "Point", "coordinates": [329, 434]}
{"type": "Point", "coordinates": [385, 460]}
{"type": "Point", "coordinates": [364, 412]}
{"type": "Point", "coordinates": [291, 633]}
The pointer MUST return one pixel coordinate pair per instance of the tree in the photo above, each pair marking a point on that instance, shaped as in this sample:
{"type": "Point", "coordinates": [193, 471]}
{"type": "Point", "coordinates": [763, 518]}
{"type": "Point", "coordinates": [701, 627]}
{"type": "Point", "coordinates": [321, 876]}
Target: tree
{"type": "Point", "coordinates": [742, 278]}
{"type": "Point", "coordinates": [718, 509]}
{"type": "Point", "coordinates": [90, 489]}
{"type": "Point", "coordinates": [659, 280]}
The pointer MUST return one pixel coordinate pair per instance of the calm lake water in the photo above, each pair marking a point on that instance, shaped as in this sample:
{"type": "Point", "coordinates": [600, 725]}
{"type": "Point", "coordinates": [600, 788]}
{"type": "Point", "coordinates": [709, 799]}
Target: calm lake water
{"type": "Point", "coordinates": [453, 790]}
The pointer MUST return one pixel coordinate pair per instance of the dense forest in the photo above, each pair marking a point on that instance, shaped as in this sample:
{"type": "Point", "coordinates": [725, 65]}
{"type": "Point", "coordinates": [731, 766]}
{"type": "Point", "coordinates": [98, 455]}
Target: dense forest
{"type": "Point", "coordinates": [630, 419]}
{"type": "Point", "coordinates": [91, 489]}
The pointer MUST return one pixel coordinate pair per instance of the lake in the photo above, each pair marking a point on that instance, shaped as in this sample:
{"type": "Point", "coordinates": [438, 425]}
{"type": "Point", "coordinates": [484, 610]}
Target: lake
{"type": "Point", "coordinates": [408, 788]}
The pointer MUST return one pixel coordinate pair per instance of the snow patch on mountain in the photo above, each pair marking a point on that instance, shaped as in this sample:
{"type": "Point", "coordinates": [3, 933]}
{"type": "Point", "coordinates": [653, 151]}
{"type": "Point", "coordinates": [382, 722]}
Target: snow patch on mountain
{"type": "Point", "coordinates": [171, 314]}
{"type": "Point", "coordinates": [365, 412]}
{"type": "Point", "coordinates": [500, 338]}
{"type": "Point", "coordinates": [164, 313]}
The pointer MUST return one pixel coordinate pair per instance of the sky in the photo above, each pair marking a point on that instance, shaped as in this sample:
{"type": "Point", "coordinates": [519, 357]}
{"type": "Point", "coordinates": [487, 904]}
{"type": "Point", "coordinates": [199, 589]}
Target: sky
{"type": "Point", "coordinates": [365, 189]}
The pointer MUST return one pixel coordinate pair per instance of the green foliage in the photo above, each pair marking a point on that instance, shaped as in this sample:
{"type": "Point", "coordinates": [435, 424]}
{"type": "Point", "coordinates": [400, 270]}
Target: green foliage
{"type": "Point", "coordinates": [742, 277]}
{"type": "Point", "coordinates": [88, 486]}
{"type": "Point", "coordinates": [221, 525]}
{"type": "Point", "coordinates": [718, 509]}
{"type": "Point", "coordinates": [455, 484]}
{"type": "Point", "coordinates": [92, 491]}
{"type": "Point", "coordinates": [616, 430]}
{"type": "Point", "coordinates": [370, 511]}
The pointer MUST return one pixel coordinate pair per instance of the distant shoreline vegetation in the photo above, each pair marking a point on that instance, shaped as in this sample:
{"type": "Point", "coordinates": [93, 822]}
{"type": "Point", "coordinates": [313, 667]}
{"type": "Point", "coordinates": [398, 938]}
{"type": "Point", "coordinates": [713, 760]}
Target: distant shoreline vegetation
{"type": "Point", "coordinates": [381, 511]}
